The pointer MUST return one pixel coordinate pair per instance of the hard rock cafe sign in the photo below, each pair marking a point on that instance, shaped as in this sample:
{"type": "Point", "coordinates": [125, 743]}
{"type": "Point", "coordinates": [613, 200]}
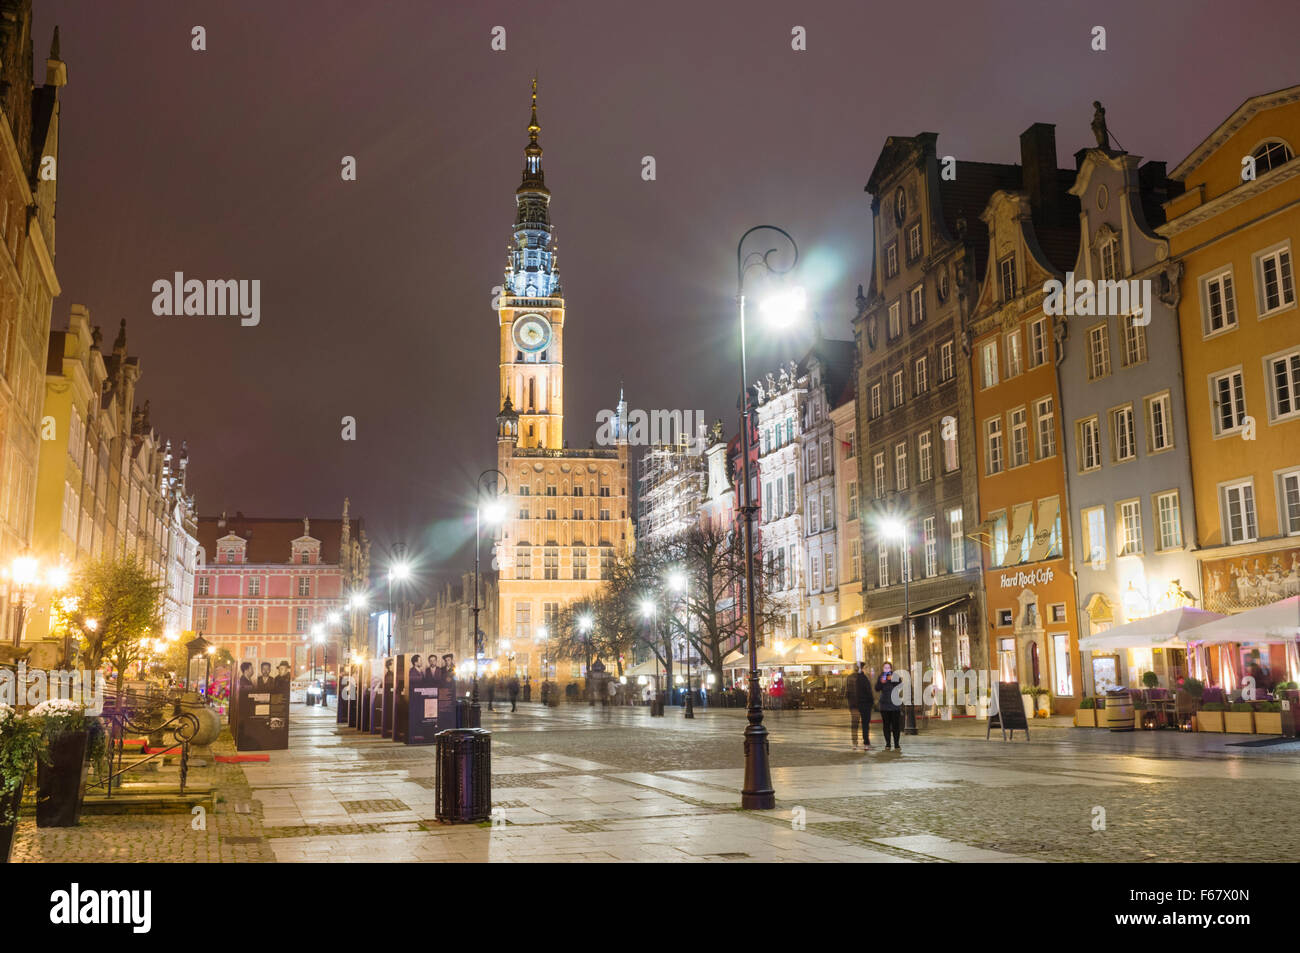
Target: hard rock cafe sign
{"type": "Point", "coordinates": [1022, 578]}
{"type": "Point", "coordinates": [1245, 582]}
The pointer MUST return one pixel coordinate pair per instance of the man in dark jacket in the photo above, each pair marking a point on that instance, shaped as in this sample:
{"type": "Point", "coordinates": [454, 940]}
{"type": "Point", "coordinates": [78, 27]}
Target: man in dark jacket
{"type": "Point", "coordinates": [513, 688]}
{"type": "Point", "coordinates": [861, 702]}
{"type": "Point", "coordinates": [891, 715]}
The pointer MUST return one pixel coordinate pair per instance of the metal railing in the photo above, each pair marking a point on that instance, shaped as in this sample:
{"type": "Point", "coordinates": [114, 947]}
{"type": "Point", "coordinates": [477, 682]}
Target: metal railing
{"type": "Point", "coordinates": [145, 714]}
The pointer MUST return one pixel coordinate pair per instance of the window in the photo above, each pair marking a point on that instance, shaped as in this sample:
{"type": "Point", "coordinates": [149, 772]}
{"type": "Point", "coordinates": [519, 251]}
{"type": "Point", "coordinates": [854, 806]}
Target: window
{"type": "Point", "coordinates": [1089, 440]}
{"type": "Point", "coordinates": [813, 526]}
{"type": "Point", "coordinates": [961, 625]}
{"type": "Point", "coordinates": [879, 468]}
{"type": "Point", "coordinates": [304, 585]}
{"type": "Point", "coordinates": [850, 445]}
{"type": "Point", "coordinates": [1061, 663]}
{"type": "Point", "coordinates": [826, 456]}
{"type": "Point", "coordinates": [989, 364]}
{"type": "Point", "coordinates": [577, 489]}
{"type": "Point", "coordinates": [577, 513]}
{"type": "Point", "coordinates": [931, 541]}
{"type": "Point", "coordinates": [956, 541]}
{"type": "Point", "coordinates": [895, 320]}
{"type": "Point", "coordinates": [921, 376]}
{"type": "Point", "coordinates": [891, 260]}
{"type": "Point", "coordinates": [1001, 540]}
{"type": "Point", "coordinates": [791, 501]}
{"type": "Point", "coordinates": [1014, 355]}
{"type": "Point", "coordinates": [898, 389]}
{"type": "Point", "coordinates": [254, 585]}
{"type": "Point", "coordinates": [1135, 341]}
{"type": "Point", "coordinates": [993, 445]}
{"type": "Point", "coordinates": [828, 512]}
{"type": "Point", "coordinates": [1094, 536]}
{"type": "Point", "coordinates": [1109, 264]}
{"type": "Point", "coordinates": [778, 505]}
{"type": "Point", "coordinates": [811, 463]}
{"type": "Point", "coordinates": [579, 562]}
{"type": "Point", "coordinates": [1239, 512]}
{"type": "Point", "coordinates": [606, 562]}
{"type": "Point", "coordinates": [925, 457]}
{"type": "Point", "coordinates": [551, 490]}
{"type": "Point", "coordinates": [882, 567]}
{"type": "Point", "coordinates": [828, 566]}
{"type": "Point", "coordinates": [1284, 385]}
{"type": "Point", "coordinates": [523, 562]}
{"type": "Point", "coordinates": [852, 489]}
{"type": "Point", "coordinates": [767, 502]}
{"type": "Point", "coordinates": [1098, 352]}
{"type": "Point", "coordinates": [1007, 277]}
{"type": "Point", "coordinates": [875, 401]}
{"type": "Point", "coordinates": [201, 619]}
{"type": "Point", "coordinates": [202, 586]}
{"type": "Point", "coordinates": [1271, 154]}
{"type": "Point", "coordinates": [1218, 306]}
{"type": "Point", "coordinates": [1045, 423]}
{"type": "Point", "coordinates": [1038, 342]}
{"type": "Point", "coordinates": [550, 563]}
{"type": "Point", "coordinates": [1273, 279]}
{"type": "Point", "coordinates": [1227, 395]}
{"type": "Point", "coordinates": [1129, 524]}
{"type": "Point", "coordinates": [1169, 520]}
{"type": "Point", "coordinates": [916, 305]}
{"type": "Point", "coordinates": [855, 559]}
{"type": "Point", "coordinates": [1160, 435]}
{"type": "Point", "coordinates": [302, 618]}
{"type": "Point", "coordinates": [815, 576]}
{"type": "Point", "coordinates": [951, 459]}
{"type": "Point", "coordinates": [523, 621]}
{"type": "Point", "coordinates": [900, 466]}
{"type": "Point", "coordinates": [946, 367]}
{"type": "Point", "coordinates": [1019, 437]}
{"type": "Point", "coordinates": [1121, 425]}
{"type": "Point", "coordinates": [251, 618]}
{"type": "Point", "coordinates": [1288, 500]}
{"type": "Point", "coordinates": [914, 242]}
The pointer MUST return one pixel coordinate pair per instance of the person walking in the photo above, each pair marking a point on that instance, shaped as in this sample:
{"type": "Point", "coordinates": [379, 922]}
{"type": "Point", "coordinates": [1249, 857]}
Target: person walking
{"type": "Point", "coordinates": [891, 715]}
{"type": "Point", "coordinates": [491, 691]}
{"type": "Point", "coordinates": [513, 688]}
{"type": "Point", "coordinates": [861, 702]}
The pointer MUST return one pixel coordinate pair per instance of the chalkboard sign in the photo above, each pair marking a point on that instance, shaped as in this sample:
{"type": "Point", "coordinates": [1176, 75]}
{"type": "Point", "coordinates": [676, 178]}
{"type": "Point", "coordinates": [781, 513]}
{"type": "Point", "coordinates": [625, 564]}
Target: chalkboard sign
{"type": "Point", "coordinates": [1007, 711]}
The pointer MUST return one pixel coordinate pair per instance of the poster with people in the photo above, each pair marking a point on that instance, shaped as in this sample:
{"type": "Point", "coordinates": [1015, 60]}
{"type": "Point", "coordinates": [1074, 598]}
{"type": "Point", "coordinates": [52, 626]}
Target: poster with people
{"type": "Point", "coordinates": [260, 706]}
{"type": "Point", "coordinates": [417, 701]}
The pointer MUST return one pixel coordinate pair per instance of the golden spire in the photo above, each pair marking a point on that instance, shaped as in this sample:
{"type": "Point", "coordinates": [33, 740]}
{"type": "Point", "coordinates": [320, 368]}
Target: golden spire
{"type": "Point", "coordinates": [533, 128]}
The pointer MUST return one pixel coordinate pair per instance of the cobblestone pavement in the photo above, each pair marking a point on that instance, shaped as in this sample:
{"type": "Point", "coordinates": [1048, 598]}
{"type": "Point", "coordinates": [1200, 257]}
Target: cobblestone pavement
{"type": "Point", "coordinates": [582, 784]}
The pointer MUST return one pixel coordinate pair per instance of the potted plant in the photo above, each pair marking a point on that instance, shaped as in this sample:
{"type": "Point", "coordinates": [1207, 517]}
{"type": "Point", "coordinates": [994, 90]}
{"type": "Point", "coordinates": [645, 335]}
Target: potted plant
{"type": "Point", "coordinates": [61, 774]}
{"type": "Point", "coordinates": [1150, 680]}
{"type": "Point", "coordinates": [20, 748]}
{"type": "Point", "coordinates": [1210, 717]}
{"type": "Point", "coordinates": [1239, 719]}
{"type": "Point", "coordinates": [1086, 714]}
{"type": "Point", "coordinates": [1268, 718]}
{"type": "Point", "coordinates": [1031, 694]}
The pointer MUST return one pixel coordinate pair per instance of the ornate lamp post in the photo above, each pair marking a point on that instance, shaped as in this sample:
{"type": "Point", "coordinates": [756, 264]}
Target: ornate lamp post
{"type": "Point", "coordinates": [757, 793]}
{"type": "Point", "coordinates": [897, 529]}
{"type": "Point", "coordinates": [494, 511]}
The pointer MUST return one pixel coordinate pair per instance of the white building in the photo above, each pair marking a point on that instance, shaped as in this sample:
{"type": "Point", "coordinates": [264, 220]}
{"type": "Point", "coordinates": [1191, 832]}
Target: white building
{"type": "Point", "coordinates": [779, 420]}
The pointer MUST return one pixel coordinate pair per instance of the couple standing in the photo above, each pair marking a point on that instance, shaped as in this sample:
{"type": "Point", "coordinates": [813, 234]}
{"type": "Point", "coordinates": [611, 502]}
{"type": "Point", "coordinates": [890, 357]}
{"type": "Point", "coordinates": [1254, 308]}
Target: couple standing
{"type": "Point", "coordinates": [862, 700]}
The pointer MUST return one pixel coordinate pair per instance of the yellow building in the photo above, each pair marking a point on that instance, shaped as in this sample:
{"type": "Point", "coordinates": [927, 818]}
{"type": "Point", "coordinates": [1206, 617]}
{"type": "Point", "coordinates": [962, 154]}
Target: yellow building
{"type": "Point", "coordinates": [1233, 230]}
{"type": "Point", "coordinates": [568, 512]}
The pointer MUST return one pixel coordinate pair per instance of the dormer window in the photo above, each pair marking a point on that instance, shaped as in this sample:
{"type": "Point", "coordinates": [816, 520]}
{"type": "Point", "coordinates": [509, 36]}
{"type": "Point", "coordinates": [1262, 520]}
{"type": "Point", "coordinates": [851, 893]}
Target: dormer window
{"type": "Point", "coordinates": [1271, 154]}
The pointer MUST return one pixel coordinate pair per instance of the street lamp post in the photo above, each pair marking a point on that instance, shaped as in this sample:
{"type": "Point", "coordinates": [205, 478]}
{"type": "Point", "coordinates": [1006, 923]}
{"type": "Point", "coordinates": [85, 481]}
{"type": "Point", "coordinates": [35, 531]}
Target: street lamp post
{"type": "Point", "coordinates": [757, 793]}
{"type": "Point", "coordinates": [677, 582]}
{"type": "Point", "coordinates": [897, 529]}
{"type": "Point", "coordinates": [496, 511]}
{"type": "Point", "coordinates": [398, 569]}
{"type": "Point", "coordinates": [585, 623]}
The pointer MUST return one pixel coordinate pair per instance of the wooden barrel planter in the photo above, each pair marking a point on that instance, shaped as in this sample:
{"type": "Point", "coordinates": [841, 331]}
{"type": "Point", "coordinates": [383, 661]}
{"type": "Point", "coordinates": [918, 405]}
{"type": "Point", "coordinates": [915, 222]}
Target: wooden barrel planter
{"type": "Point", "coordinates": [1119, 711]}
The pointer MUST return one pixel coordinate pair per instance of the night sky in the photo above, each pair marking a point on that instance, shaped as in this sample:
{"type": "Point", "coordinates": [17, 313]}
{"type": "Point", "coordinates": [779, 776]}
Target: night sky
{"type": "Point", "coordinates": [376, 294]}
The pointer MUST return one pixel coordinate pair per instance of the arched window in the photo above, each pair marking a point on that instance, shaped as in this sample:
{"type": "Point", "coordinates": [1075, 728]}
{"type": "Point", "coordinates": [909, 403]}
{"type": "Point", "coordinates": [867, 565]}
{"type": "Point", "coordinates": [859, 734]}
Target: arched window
{"type": "Point", "coordinates": [1271, 154]}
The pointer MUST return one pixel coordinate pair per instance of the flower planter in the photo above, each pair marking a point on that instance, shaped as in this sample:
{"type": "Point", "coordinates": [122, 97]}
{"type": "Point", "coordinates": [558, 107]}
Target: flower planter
{"type": "Point", "coordinates": [1239, 722]}
{"type": "Point", "coordinates": [1268, 722]}
{"type": "Point", "coordinates": [1085, 718]}
{"type": "Point", "coordinates": [1029, 705]}
{"type": "Point", "coordinates": [1209, 721]}
{"type": "Point", "coordinates": [9, 806]}
{"type": "Point", "coordinates": [61, 784]}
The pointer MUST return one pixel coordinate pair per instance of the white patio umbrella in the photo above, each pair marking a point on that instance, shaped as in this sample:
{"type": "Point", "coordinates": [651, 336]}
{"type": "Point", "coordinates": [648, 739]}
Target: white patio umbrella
{"type": "Point", "coordinates": [1164, 630]}
{"type": "Point", "coordinates": [1276, 622]}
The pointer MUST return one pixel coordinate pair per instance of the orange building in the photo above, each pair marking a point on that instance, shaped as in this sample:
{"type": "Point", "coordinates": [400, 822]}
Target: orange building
{"type": "Point", "coordinates": [1030, 592]}
{"type": "Point", "coordinates": [1233, 230]}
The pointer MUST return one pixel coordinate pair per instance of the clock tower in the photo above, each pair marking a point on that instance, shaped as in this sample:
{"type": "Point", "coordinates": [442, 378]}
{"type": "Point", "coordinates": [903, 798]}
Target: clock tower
{"type": "Point", "coordinates": [531, 312]}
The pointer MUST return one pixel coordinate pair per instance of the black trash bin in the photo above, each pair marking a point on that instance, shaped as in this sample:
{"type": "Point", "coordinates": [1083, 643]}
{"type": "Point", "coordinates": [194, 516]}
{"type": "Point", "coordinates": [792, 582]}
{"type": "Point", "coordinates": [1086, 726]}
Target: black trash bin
{"type": "Point", "coordinates": [465, 715]}
{"type": "Point", "coordinates": [464, 783]}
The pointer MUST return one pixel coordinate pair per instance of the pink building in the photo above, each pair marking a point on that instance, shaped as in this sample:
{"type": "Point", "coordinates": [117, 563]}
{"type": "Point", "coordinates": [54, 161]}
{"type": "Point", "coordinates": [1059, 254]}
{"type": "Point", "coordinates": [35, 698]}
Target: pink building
{"type": "Point", "coordinates": [262, 585]}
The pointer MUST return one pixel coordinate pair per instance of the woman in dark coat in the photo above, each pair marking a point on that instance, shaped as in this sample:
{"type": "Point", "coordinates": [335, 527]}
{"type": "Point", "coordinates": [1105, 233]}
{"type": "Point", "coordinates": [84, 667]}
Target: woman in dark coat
{"type": "Point", "coordinates": [891, 715]}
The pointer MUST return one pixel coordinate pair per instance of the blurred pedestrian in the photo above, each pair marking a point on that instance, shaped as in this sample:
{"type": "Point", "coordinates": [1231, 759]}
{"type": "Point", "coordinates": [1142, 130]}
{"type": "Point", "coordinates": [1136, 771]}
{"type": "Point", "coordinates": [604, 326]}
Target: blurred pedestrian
{"type": "Point", "coordinates": [513, 688]}
{"type": "Point", "coordinates": [891, 715]}
{"type": "Point", "coordinates": [861, 701]}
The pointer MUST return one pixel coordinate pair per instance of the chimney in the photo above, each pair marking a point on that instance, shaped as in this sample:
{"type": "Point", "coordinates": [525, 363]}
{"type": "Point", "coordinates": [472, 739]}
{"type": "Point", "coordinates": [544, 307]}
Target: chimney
{"type": "Point", "coordinates": [1038, 165]}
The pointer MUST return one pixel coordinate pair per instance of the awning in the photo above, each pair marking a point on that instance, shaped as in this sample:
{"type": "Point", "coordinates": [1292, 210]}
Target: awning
{"type": "Point", "coordinates": [939, 607]}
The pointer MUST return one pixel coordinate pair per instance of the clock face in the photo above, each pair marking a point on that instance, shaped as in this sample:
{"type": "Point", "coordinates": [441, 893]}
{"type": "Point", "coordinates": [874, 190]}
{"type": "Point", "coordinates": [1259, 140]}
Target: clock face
{"type": "Point", "coordinates": [532, 332]}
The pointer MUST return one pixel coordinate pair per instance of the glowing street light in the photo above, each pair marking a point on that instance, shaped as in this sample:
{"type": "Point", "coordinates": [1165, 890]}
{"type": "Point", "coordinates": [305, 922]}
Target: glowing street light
{"type": "Point", "coordinates": [896, 529]}
{"type": "Point", "coordinates": [784, 308]}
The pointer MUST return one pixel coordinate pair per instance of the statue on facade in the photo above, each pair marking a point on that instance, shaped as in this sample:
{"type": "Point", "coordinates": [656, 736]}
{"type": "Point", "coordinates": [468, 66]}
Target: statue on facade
{"type": "Point", "coordinates": [1099, 126]}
